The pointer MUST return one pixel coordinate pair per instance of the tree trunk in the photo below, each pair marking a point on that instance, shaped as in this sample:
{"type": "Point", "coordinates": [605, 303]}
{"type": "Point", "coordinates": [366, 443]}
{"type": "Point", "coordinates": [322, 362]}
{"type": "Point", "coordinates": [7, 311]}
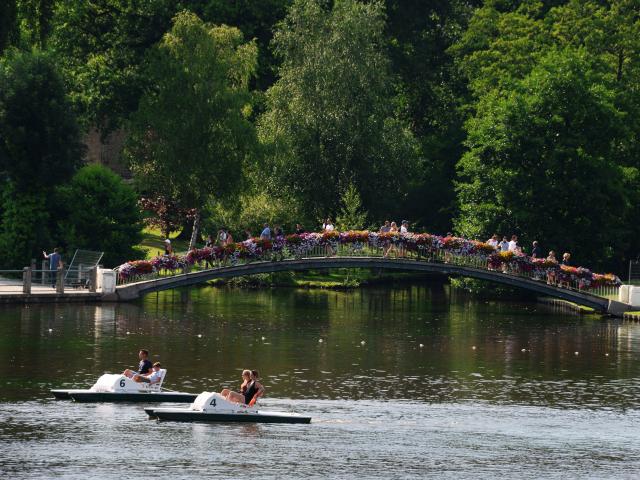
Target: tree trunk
{"type": "Point", "coordinates": [194, 232]}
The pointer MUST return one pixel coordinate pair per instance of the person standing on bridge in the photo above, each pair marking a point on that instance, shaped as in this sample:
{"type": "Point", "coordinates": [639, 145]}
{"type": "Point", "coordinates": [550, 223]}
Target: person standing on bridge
{"type": "Point", "coordinates": [168, 249]}
{"type": "Point", "coordinates": [536, 250]}
{"type": "Point", "coordinates": [513, 244]}
{"type": "Point", "coordinates": [55, 262]}
{"type": "Point", "coordinates": [504, 245]}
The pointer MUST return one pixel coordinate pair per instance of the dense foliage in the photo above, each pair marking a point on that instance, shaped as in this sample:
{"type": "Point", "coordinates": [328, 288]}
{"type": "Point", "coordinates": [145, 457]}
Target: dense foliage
{"type": "Point", "coordinates": [100, 212]}
{"type": "Point", "coordinates": [331, 113]}
{"type": "Point", "coordinates": [477, 116]}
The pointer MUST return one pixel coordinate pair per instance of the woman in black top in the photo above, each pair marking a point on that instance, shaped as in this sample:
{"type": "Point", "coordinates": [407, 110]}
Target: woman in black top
{"type": "Point", "coordinates": [254, 390]}
{"type": "Point", "coordinates": [235, 396]}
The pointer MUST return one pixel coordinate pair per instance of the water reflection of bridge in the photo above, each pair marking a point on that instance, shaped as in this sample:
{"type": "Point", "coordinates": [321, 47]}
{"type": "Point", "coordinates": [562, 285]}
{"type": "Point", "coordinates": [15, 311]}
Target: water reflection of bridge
{"type": "Point", "coordinates": [451, 266]}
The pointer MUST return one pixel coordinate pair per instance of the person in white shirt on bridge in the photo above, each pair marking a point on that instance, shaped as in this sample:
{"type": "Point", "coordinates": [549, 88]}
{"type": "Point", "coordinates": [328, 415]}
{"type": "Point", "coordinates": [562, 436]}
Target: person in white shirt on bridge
{"type": "Point", "coordinates": [513, 244]}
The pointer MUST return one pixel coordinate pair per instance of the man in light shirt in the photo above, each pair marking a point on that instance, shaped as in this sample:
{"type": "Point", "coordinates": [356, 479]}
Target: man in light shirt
{"type": "Point", "coordinates": [513, 244]}
{"type": "Point", "coordinates": [154, 377]}
{"type": "Point", "coordinates": [504, 245]}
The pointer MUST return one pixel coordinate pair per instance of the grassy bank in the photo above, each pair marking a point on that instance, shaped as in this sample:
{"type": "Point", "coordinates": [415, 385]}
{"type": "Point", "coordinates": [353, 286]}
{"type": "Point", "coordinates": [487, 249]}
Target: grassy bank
{"type": "Point", "coordinates": [153, 243]}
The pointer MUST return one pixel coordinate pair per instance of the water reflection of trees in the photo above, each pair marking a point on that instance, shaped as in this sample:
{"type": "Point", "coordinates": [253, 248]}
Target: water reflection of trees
{"type": "Point", "coordinates": [205, 336]}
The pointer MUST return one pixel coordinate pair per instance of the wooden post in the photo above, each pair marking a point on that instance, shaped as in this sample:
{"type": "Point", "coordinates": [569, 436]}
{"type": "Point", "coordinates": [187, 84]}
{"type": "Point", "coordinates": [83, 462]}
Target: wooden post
{"type": "Point", "coordinates": [60, 280]}
{"type": "Point", "coordinates": [43, 273]}
{"type": "Point", "coordinates": [26, 280]}
{"type": "Point", "coordinates": [93, 279]}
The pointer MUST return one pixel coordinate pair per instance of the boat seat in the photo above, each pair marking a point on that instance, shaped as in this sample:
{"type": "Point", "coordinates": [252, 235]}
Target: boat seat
{"type": "Point", "coordinates": [156, 387]}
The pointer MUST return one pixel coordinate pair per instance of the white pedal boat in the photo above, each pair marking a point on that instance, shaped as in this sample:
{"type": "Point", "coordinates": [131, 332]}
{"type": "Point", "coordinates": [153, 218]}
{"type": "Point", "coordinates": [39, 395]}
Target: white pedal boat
{"type": "Point", "coordinates": [118, 388]}
{"type": "Point", "coordinates": [212, 407]}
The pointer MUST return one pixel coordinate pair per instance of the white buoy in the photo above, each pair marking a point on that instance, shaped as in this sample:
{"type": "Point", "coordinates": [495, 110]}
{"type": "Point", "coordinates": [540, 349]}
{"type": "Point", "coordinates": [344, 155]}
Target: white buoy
{"type": "Point", "coordinates": [606, 354]}
{"type": "Point", "coordinates": [362, 342]}
{"type": "Point", "coordinates": [576, 353]}
{"type": "Point", "coordinates": [263, 339]}
{"type": "Point", "coordinates": [523, 350]}
{"type": "Point", "coordinates": [421, 345]}
{"type": "Point", "coordinates": [199, 335]}
{"type": "Point", "coordinates": [50, 330]}
{"type": "Point", "coordinates": [127, 333]}
{"type": "Point", "coordinates": [319, 340]}
{"type": "Point", "coordinates": [473, 348]}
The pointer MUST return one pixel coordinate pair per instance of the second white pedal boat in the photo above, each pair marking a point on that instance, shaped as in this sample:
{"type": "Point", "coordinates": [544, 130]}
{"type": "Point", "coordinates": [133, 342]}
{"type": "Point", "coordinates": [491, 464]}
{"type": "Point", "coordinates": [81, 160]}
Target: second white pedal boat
{"type": "Point", "coordinates": [212, 407]}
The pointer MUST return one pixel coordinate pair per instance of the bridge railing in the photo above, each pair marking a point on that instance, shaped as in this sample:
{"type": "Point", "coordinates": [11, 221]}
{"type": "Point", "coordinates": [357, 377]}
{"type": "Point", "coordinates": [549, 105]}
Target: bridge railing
{"type": "Point", "coordinates": [392, 252]}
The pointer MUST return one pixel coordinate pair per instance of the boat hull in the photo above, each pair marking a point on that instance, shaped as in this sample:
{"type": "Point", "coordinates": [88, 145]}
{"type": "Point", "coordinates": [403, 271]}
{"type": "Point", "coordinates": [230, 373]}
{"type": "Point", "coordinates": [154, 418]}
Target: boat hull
{"type": "Point", "coordinates": [61, 394]}
{"type": "Point", "coordinates": [183, 415]}
{"type": "Point", "coordinates": [88, 396]}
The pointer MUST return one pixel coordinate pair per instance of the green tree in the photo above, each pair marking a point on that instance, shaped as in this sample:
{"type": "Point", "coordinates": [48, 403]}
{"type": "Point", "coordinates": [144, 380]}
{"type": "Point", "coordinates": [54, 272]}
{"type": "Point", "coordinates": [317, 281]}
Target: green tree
{"type": "Point", "coordinates": [39, 138]}
{"type": "Point", "coordinates": [539, 161]}
{"type": "Point", "coordinates": [432, 92]}
{"type": "Point", "coordinates": [39, 149]}
{"type": "Point", "coordinates": [8, 24]}
{"type": "Point", "coordinates": [331, 116]}
{"type": "Point", "coordinates": [26, 227]}
{"type": "Point", "coordinates": [351, 216]}
{"type": "Point", "coordinates": [101, 47]}
{"type": "Point", "coordinates": [499, 53]}
{"type": "Point", "coordinates": [190, 135]}
{"type": "Point", "coordinates": [36, 17]}
{"type": "Point", "coordinates": [100, 212]}
{"type": "Point", "coordinates": [254, 19]}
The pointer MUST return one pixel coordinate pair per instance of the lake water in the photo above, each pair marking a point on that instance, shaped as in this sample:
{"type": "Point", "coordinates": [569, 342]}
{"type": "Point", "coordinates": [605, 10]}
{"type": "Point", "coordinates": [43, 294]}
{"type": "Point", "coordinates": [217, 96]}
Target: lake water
{"type": "Point", "coordinates": [405, 382]}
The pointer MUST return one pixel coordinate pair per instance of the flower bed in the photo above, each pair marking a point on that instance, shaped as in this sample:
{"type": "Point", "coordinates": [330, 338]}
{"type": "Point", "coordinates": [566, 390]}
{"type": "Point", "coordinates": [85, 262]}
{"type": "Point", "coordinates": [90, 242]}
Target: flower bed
{"type": "Point", "coordinates": [300, 245]}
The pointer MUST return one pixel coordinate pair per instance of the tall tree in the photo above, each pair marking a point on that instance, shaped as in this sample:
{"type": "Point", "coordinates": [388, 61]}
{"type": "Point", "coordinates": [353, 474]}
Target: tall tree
{"type": "Point", "coordinates": [540, 161]}
{"type": "Point", "coordinates": [432, 92]}
{"type": "Point", "coordinates": [256, 20]}
{"type": "Point", "coordinates": [39, 149]}
{"type": "Point", "coordinates": [101, 46]}
{"type": "Point", "coordinates": [500, 53]}
{"type": "Point", "coordinates": [8, 24]}
{"type": "Point", "coordinates": [190, 135]}
{"type": "Point", "coordinates": [35, 18]}
{"type": "Point", "coordinates": [331, 117]}
{"type": "Point", "coordinates": [39, 137]}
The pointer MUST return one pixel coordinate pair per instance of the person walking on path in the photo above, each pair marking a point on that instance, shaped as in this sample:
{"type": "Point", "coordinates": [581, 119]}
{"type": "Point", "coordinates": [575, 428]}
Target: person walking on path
{"type": "Point", "coordinates": [55, 262]}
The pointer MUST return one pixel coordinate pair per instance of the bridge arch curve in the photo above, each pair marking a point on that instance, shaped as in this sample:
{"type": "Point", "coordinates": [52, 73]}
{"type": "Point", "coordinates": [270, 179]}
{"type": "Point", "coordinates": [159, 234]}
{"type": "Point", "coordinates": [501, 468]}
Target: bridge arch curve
{"type": "Point", "coordinates": [134, 290]}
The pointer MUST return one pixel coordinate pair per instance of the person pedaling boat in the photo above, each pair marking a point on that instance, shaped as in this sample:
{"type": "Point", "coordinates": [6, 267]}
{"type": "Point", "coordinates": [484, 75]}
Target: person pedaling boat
{"type": "Point", "coordinates": [250, 390]}
{"type": "Point", "coordinates": [144, 368]}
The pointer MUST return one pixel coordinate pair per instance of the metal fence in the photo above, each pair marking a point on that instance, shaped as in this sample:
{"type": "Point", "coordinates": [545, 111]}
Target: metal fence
{"type": "Point", "coordinates": [30, 280]}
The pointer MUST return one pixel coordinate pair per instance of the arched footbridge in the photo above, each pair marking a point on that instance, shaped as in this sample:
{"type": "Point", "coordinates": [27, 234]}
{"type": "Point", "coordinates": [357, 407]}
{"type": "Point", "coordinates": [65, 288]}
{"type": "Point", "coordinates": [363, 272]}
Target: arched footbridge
{"type": "Point", "coordinates": [598, 299]}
